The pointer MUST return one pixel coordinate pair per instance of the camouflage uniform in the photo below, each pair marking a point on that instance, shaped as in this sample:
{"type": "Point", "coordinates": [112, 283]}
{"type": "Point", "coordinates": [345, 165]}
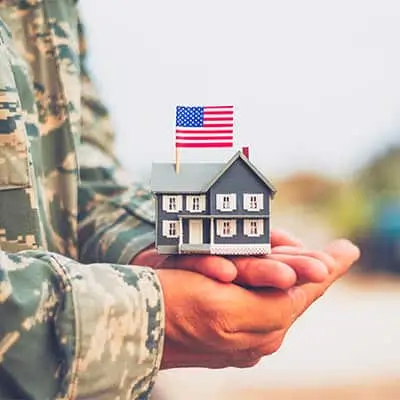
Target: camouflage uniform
{"type": "Point", "coordinates": [67, 329]}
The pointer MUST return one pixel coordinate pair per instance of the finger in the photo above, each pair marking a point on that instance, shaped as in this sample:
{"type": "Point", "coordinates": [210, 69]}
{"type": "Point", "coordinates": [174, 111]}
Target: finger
{"type": "Point", "coordinates": [345, 255]}
{"type": "Point", "coordinates": [280, 237]}
{"type": "Point", "coordinates": [263, 272]}
{"type": "Point", "coordinates": [307, 269]}
{"type": "Point", "coordinates": [214, 267]}
{"type": "Point", "coordinates": [322, 256]}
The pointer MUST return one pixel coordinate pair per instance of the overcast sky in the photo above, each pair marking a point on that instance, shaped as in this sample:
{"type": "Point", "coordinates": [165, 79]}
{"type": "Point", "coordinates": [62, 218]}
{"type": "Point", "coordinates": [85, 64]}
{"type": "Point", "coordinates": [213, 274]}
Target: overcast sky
{"type": "Point", "coordinates": [316, 84]}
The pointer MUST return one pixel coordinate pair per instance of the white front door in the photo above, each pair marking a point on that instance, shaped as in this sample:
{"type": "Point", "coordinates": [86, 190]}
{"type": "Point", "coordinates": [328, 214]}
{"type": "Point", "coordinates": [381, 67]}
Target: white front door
{"type": "Point", "coordinates": [195, 231]}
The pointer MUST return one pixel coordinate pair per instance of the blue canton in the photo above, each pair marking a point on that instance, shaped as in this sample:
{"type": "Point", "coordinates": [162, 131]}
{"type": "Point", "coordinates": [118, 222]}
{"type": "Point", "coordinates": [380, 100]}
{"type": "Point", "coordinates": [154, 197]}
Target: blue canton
{"type": "Point", "coordinates": [189, 117]}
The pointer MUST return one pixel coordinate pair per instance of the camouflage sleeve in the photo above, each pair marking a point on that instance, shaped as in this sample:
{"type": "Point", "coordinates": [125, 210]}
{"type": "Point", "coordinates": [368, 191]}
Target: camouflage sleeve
{"type": "Point", "coordinates": [116, 217]}
{"type": "Point", "coordinates": [68, 331]}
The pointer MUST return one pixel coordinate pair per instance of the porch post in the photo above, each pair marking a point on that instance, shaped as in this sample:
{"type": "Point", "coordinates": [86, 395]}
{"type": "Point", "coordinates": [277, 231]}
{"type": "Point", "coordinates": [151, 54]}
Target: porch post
{"type": "Point", "coordinates": [211, 231]}
{"type": "Point", "coordinates": [180, 234]}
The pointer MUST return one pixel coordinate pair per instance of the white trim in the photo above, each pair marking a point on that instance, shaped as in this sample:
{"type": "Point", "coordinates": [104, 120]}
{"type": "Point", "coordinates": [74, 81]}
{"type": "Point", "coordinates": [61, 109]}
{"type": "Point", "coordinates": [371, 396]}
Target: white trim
{"type": "Point", "coordinates": [212, 231]}
{"type": "Point", "coordinates": [240, 249]}
{"type": "Point", "coordinates": [167, 226]}
{"type": "Point", "coordinates": [201, 203]}
{"type": "Point", "coordinates": [167, 201]}
{"type": "Point", "coordinates": [253, 227]}
{"type": "Point", "coordinates": [258, 198]}
{"type": "Point", "coordinates": [226, 224]}
{"type": "Point", "coordinates": [226, 202]}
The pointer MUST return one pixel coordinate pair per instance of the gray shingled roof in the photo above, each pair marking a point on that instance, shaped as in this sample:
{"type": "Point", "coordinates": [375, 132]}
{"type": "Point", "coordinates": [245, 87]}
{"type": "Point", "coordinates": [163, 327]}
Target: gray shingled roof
{"type": "Point", "coordinates": [192, 177]}
{"type": "Point", "coordinates": [195, 177]}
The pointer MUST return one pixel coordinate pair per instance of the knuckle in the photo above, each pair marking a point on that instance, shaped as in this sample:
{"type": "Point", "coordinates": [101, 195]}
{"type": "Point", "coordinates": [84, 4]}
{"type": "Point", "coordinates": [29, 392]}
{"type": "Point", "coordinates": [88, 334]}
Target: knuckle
{"type": "Point", "coordinates": [221, 326]}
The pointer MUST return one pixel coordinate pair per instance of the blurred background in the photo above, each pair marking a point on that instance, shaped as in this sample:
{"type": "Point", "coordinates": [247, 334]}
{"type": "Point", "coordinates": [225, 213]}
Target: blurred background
{"type": "Point", "coordinates": [316, 89]}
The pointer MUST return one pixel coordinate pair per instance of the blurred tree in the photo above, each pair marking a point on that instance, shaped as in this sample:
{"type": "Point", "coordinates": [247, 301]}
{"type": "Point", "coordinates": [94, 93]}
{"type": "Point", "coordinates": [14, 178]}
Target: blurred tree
{"type": "Point", "coordinates": [306, 189]}
{"type": "Point", "coordinates": [349, 212]}
{"type": "Point", "coordinates": [381, 177]}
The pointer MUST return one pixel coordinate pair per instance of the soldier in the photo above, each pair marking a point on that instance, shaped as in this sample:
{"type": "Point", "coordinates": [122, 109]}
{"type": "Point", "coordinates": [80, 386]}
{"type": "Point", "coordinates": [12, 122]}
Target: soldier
{"type": "Point", "coordinates": [75, 320]}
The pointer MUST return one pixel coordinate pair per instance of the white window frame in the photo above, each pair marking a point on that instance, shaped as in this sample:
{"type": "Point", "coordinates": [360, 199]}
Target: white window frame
{"type": "Point", "coordinates": [168, 200]}
{"type": "Point", "coordinates": [253, 227]}
{"type": "Point", "coordinates": [247, 201]}
{"type": "Point", "coordinates": [226, 227]}
{"type": "Point", "coordinates": [190, 199]}
{"type": "Point", "coordinates": [168, 226]}
{"type": "Point", "coordinates": [226, 202]}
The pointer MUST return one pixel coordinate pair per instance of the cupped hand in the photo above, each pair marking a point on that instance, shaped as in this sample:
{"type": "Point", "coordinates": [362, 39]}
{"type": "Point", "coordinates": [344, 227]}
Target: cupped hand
{"type": "Point", "coordinates": [215, 325]}
{"type": "Point", "coordinates": [288, 264]}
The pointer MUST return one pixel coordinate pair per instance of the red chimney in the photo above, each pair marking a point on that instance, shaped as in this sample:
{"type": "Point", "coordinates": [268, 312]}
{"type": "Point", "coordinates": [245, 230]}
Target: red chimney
{"type": "Point", "coordinates": [245, 151]}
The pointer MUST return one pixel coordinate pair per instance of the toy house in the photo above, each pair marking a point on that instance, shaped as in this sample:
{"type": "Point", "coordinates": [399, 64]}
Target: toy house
{"type": "Point", "coordinates": [212, 208]}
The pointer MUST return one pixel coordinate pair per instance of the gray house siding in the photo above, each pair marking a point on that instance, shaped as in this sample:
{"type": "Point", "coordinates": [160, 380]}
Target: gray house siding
{"type": "Point", "coordinates": [162, 216]}
{"type": "Point", "coordinates": [240, 238]}
{"type": "Point", "coordinates": [239, 179]}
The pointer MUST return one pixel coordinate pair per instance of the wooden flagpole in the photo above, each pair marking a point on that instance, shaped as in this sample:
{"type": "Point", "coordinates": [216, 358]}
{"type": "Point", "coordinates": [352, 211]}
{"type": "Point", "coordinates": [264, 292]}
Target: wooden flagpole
{"type": "Point", "coordinates": [177, 159]}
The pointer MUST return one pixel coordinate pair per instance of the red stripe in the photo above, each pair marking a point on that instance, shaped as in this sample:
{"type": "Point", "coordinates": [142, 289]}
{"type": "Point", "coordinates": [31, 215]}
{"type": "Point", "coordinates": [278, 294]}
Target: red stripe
{"type": "Point", "coordinates": [218, 112]}
{"type": "Point", "coordinates": [218, 126]}
{"type": "Point", "coordinates": [211, 107]}
{"type": "Point", "coordinates": [217, 119]}
{"type": "Point", "coordinates": [216, 137]}
{"type": "Point", "coordinates": [214, 107]}
{"type": "Point", "coordinates": [205, 131]}
{"type": "Point", "coordinates": [206, 144]}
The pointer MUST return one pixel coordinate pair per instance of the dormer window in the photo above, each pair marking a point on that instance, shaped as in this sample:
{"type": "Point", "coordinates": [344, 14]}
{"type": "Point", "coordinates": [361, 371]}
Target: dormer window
{"type": "Point", "coordinates": [172, 204]}
{"type": "Point", "coordinates": [253, 201]}
{"type": "Point", "coordinates": [226, 202]}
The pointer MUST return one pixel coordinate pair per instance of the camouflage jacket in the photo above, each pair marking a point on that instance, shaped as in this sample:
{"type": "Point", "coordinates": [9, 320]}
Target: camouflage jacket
{"type": "Point", "coordinates": [74, 322]}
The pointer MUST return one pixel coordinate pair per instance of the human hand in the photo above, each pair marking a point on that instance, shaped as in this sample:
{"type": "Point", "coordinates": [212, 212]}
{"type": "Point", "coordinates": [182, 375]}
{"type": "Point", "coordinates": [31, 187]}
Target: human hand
{"type": "Point", "coordinates": [288, 264]}
{"type": "Point", "coordinates": [215, 325]}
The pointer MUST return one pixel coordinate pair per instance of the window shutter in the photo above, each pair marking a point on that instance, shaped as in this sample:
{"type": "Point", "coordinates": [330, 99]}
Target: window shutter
{"type": "Point", "coordinates": [165, 203]}
{"type": "Point", "coordinates": [179, 203]}
{"type": "Point", "coordinates": [188, 202]}
{"type": "Point", "coordinates": [246, 201]}
{"type": "Point", "coordinates": [260, 201]}
{"type": "Point", "coordinates": [165, 226]}
{"type": "Point", "coordinates": [260, 227]}
{"type": "Point", "coordinates": [202, 203]}
{"type": "Point", "coordinates": [246, 227]}
{"type": "Point", "coordinates": [219, 202]}
{"type": "Point", "coordinates": [233, 227]}
{"type": "Point", "coordinates": [220, 227]}
{"type": "Point", "coordinates": [233, 201]}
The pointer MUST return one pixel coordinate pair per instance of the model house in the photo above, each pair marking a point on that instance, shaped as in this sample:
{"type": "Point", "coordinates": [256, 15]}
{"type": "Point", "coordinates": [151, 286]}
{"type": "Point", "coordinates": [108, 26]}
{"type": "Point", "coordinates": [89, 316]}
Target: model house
{"type": "Point", "coordinates": [212, 208]}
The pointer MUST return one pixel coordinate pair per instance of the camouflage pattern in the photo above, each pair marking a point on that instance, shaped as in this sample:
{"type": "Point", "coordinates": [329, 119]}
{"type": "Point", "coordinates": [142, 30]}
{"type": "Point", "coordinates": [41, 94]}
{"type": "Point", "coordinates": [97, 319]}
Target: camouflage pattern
{"type": "Point", "coordinates": [69, 329]}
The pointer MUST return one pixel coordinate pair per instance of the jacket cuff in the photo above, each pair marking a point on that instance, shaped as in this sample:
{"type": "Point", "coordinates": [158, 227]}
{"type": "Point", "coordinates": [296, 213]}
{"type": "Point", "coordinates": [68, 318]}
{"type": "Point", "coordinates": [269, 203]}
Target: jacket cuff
{"type": "Point", "coordinates": [118, 335]}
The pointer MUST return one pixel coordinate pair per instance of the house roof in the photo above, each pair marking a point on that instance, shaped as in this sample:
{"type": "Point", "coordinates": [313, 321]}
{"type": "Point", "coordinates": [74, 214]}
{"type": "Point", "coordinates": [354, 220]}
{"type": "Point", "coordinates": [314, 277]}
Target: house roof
{"type": "Point", "coordinates": [196, 177]}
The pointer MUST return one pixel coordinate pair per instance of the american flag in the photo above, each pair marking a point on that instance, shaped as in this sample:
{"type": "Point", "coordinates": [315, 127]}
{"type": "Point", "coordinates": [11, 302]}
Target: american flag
{"type": "Point", "coordinates": [209, 126]}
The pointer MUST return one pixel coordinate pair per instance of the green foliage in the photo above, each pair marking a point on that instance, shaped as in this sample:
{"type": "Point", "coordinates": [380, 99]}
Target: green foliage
{"type": "Point", "coordinates": [349, 212]}
{"type": "Point", "coordinates": [381, 178]}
